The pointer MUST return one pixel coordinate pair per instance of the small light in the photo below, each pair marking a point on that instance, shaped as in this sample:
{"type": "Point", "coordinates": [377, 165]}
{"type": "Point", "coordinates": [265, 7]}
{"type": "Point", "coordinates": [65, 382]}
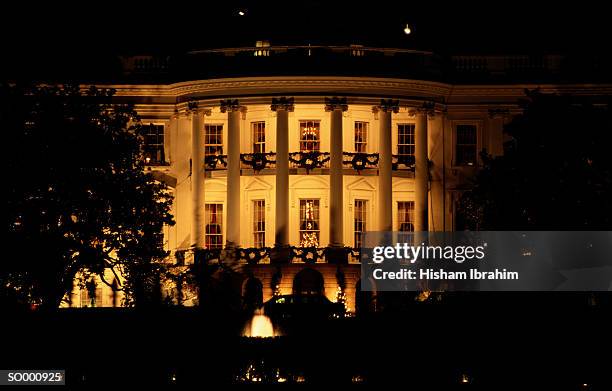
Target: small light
{"type": "Point", "coordinates": [407, 30]}
{"type": "Point", "coordinates": [242, 12]}
{"type": "Point", "coordinates": [465, 379]}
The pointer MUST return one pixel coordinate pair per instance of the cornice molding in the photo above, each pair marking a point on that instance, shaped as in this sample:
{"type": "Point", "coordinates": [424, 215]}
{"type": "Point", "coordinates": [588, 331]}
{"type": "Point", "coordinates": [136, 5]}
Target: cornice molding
{"type": "Point", "coordinates": [297, 84]}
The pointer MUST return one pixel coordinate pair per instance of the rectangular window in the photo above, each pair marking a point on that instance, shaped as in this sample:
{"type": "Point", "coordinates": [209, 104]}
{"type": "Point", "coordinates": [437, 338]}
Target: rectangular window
{"type": "Point", "coordinates": [153, 143]}
{"type": "Point", "coordinates": [259, 136]}
{"type": "Point", "coordinates": [405, 216]}
{"type": "Point", "coordinates": [213, 139]}
{"type": "Point", "coordinates": [310, 139]}
{"type": "Point", "coordinates": [309, 223]}
{"type": "Point", "coordinates": [360, 221]}
{"type": "Point", "coordinates": [259, 223]}
{"type": "Point", "coordinates": [361, 136]}
{"type": "Point", "coordinates": [405, 140]}
{"type": "Point", "coordinates": [465, 153]}
{"type": "Point", "coordinates": [213, 217]}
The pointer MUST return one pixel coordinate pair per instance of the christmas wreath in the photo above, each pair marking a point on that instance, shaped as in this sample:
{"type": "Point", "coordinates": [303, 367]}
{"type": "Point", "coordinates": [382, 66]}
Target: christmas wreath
{"type": "Point", "coordinates": [258, 161]}
{"type": "Point", "coordinates": [212, 161]}
{"type": "Point", "coordinates": [360, 161]}
{"type": "Point", "coordinates": [309, 160]}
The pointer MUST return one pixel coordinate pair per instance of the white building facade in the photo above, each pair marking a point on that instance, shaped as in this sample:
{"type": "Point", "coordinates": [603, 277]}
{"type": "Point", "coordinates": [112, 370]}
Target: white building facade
{"type": "Point", "coordinates": [279, 163]}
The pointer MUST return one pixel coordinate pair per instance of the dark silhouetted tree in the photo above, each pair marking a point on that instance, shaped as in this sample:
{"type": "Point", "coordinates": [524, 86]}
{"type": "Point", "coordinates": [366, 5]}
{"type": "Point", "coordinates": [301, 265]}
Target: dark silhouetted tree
{"type": "Point", "coordinates": [555, 174]}
{"type": "Point", "coordinates": [79, 199]}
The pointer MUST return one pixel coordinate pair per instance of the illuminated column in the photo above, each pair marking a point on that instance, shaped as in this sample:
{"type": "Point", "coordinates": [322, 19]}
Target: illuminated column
{"type": "Point", "coordinates": [233, 110]}
{"type": "Point", "coordinates": [336, 199]}
{"type": "Point", "coordinates": [385, 164]}
{"type": "Point", "coordinates": [197, 174]}
{"type": "Point", "coordinates": [282, 106]}
{"type": "Point", "coordinates": [421, 171]}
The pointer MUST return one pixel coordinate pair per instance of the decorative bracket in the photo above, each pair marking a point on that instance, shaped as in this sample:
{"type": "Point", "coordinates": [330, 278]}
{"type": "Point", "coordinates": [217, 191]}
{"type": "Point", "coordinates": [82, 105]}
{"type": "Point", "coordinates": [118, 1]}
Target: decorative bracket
{"type": "Point", "coordinates": [282, 103]}
{"type": "Point", "coordinates": [387, 106]}
{"type": "Point", "coordinates": [335, 103]}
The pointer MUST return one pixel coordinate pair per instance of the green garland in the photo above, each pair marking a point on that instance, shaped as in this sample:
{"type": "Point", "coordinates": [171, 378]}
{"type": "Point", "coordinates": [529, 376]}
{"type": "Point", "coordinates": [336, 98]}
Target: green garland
{"type": "Point", "coordinates": [309, 160]}
{"type": "Point", "coordinates": [212, 161]}
{"type": "Point", "coordinates": [258, 161]}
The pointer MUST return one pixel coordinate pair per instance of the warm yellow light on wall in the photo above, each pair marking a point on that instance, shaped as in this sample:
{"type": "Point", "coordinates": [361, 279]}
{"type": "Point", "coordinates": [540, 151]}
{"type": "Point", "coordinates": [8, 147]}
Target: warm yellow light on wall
{"type": "Point", "coordinates": [407, 29]}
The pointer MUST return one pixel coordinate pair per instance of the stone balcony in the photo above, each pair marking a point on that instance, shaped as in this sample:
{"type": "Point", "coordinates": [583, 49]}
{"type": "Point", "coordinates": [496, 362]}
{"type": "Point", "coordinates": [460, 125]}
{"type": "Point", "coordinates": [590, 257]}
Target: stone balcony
{"type": "Point", "coordinates": [311, 163]}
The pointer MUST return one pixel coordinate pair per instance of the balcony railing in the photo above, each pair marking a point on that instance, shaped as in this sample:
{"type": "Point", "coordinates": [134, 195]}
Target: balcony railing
{"type": "Point", "coordinates": [306, 160]}
{"type": "Point", "coordinates": [366, 61]}
{"type": "Point", "coordinates": [309, 160]}
{"type": "Point", "coordinates": [359, 161]}
{"type": "Point", "coordinates": [263, 255]}
{"type": "Point", "coordinates": [258, 161]}
{"type": "Point", "coordinates": [403, 162]}
{"type": "Point", "coordinates": [215, 162]}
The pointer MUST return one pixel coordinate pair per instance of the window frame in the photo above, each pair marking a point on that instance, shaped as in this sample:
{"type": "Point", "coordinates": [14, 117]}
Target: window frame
{"type": "Point", "coordinates": [363, 211]}
{"type": "Point", "coordinates": [218, 220]}
{"type": "Point", "coordinates": [410, 214]}
{"type": "Point", "coordinates": [258, 146]}
{"type": "Point", "coordinates": [364, 130]}
{"type": "Point", "coordinates": [208, 145]}
{"type": "Point", "coordinates": [455, 125]}
{"type": "Point", "coordinates": [412, 145]}
{"type": "Point", "coordinates": [259, 230]}
{"type": "Point", "coordinates": [316, 142]}
{"type": "Point", "coordinates": [316, 219]}
{"type": "Point", "coordinates": [159, 146]}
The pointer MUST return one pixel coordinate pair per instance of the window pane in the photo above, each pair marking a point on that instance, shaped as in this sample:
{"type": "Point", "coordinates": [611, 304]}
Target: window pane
{"type": "Point", "coordinates": [360, 223]}
{"type": "Point", "coordinates": [405, 216]}
{"type": "Point", "coordinates": [213, 139]}
{"type": "Point", "coordinates": [466, 145]}
{"type": "Point", "coordinates": [213, 217]}
{"type": "Point", "coordinates": [259, 223]}
{"type": "Point", "coordinates": [310, 136]}
{"type": "Point", "coordinates": [153, 143]}
{"type": "Point", "coordinates": [361, 136]}
{"type": "Point", "coordinates": [309, 223]}
{"type": "Point", "coordinates": [259, 136]}
{"type": "Point", "coordinates": [405, 139]}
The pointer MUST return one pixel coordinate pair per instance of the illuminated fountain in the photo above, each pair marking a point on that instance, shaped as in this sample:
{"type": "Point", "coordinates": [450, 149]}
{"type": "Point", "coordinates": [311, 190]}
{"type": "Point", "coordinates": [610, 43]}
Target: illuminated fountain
{"type": "Point", "coordinates": [261, 339]}
{"type": "Point", "coordinates": [260, 326]}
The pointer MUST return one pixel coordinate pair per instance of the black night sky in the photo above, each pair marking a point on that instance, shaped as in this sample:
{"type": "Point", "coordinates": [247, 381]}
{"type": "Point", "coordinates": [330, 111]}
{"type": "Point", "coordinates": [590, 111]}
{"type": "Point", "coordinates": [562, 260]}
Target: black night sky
{"type": "Point", "coordinates": [96, 27]}
{"type": "Point", "coordinates": [70, 38]}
